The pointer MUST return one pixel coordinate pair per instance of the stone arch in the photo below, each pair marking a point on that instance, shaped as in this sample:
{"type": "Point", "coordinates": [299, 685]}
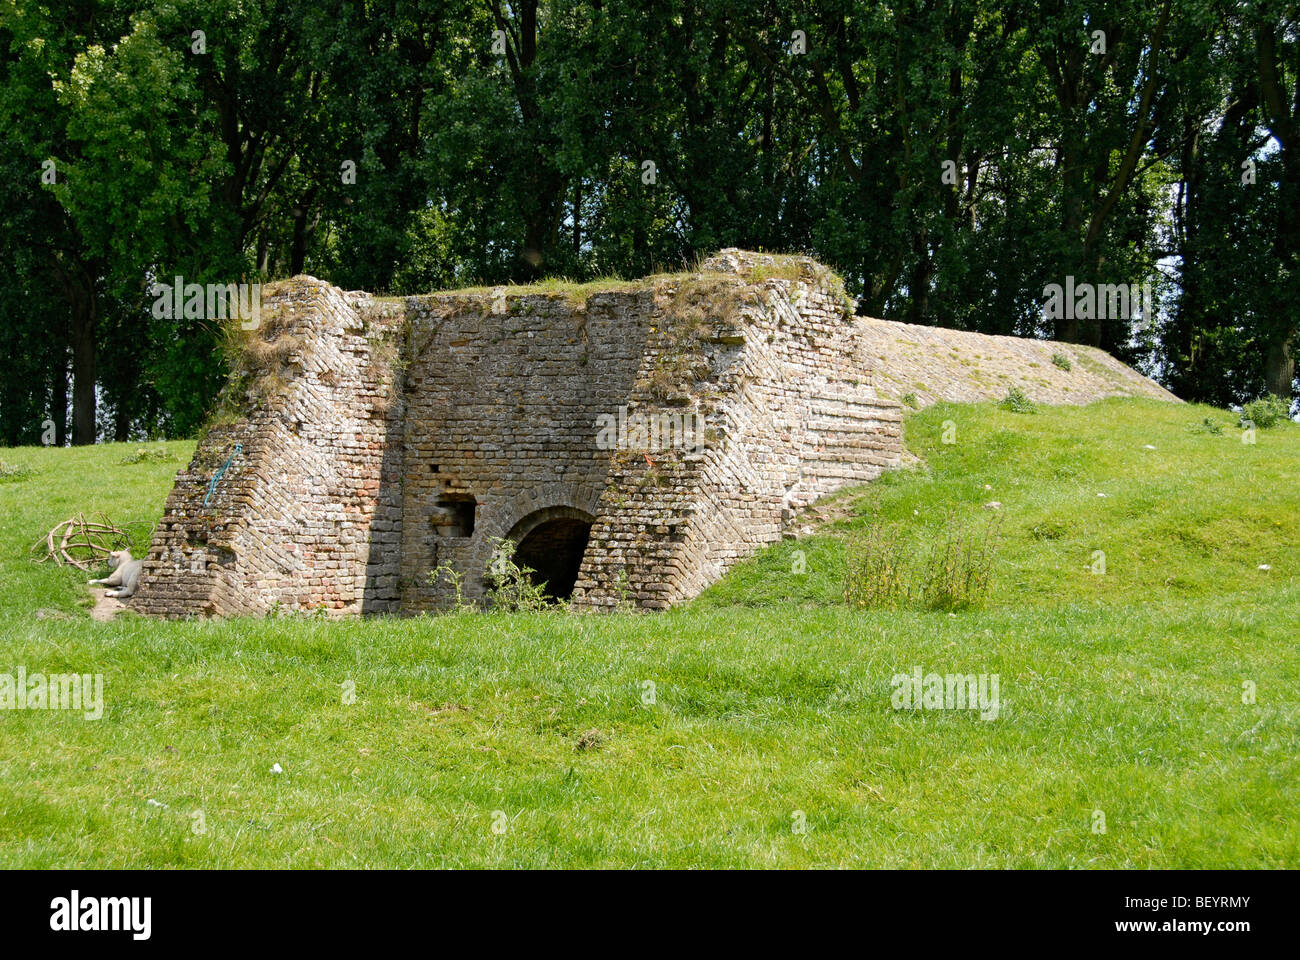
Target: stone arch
{"type": "Point", "coordinates": [552, 541]}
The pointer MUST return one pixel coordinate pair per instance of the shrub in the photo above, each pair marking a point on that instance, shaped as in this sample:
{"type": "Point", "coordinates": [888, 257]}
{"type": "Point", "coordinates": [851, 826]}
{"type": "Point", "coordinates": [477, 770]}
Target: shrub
{"type": "Point", "coordinates": [911, 400]}
{"type": "Point", "coordinates": [947, 568]}
{"type": "Point", "coordinates": [1017, 402]}
{"type": "Point", "coordinates": [511, 586]}
{"type": "Point", "coordinates": [1266, 411]}
{"type": "Point", "coordinates": [445, 571]}
{"type": "Point", "coordinates": [1062, 361]}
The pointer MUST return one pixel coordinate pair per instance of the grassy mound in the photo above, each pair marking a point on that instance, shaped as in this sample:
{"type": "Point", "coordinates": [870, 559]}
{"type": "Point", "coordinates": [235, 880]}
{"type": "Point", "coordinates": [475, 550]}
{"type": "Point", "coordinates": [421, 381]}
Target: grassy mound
{"type": "Point", "coordinates": [1180, 512]}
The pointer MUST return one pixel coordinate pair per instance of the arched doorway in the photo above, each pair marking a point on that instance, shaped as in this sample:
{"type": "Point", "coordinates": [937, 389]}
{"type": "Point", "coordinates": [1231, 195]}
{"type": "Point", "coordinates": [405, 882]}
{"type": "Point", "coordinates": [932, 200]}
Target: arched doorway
{"type": "Point", "coordinates": [552, 542]}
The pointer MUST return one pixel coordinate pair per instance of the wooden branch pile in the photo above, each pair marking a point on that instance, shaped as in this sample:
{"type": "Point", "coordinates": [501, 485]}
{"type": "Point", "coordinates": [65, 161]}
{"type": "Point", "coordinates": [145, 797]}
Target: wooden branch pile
{"type": "Point", "coordinates": [81, 542]}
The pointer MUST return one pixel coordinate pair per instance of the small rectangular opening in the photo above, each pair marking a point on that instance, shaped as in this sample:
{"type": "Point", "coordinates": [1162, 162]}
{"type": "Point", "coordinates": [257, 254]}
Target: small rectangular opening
{"type": "Point", "coordinates": [453, 515]}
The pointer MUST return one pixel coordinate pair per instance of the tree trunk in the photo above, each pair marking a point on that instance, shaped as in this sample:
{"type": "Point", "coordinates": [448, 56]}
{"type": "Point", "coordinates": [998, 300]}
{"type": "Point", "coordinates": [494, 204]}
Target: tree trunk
{"type": "Point", "coordinates": [83, 364]}
{"type": "Point", "coordinates": [1279, 364]}
{"type": "Point", "coordinates": [302, 231]}
{"type": "Point", "coordinates": [577, 220]}
{"type": "Point", "coordinates": [918, 308]}
{"type": "Point", "coordinates": [1282, 113]}
{"type": "Point", "coordinates": [530, 258]}
{"type": "Point", "coordinates": [121, 424]}
{"type": "Point", "coordinates": [59, 399]}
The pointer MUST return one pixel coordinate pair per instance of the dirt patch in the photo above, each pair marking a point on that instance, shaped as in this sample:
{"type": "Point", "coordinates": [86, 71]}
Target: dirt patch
{"type": "Point", "coordinates": [105, 608]}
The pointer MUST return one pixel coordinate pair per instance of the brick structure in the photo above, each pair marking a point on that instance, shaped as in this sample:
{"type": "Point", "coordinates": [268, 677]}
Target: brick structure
{"type": "Point", "coordinates": [634, 439]}
{"type": "Point", "coordinates": [934, 363]}
{"type": "Point", "coordinates": [305, 509]}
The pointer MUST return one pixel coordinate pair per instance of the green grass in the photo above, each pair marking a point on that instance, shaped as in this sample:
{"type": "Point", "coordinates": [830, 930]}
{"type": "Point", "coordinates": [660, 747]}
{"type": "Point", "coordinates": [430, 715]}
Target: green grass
{"type": "Point", "coordinates": [577, 291]}
{"type": "Point", "coordinates": [1120, 692]}
{"type": "Point", "coordinates": [782, 267]}
{"type": "Point", "coordinates": [1190, 519]}
{"type": "Point", "coordinates": [61, 483]}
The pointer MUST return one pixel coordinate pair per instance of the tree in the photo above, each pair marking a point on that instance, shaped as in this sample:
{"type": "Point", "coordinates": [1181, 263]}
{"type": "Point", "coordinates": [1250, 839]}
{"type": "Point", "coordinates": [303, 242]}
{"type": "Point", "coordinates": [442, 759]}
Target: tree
{"type": "Point", "coordinates": [1277, 39]}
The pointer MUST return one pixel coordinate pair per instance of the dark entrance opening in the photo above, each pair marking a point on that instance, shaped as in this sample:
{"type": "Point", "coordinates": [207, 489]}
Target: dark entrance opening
{"type": "Point", "coordinates": [554, 549]}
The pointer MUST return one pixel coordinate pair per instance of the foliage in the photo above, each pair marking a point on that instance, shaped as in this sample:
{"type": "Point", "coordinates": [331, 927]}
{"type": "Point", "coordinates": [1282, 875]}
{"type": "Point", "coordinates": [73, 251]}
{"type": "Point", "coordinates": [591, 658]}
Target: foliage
{"type": "Point", "coordinates": [1266, 411]}
{"type": "Point", "coordinates": [950, 161]}
{"type": "Point", "coordinates": [948, 567]}
{"type": "Point", "coordinates": [1017, 402]}
{"type": "Point", "coordinates": [511, 586]}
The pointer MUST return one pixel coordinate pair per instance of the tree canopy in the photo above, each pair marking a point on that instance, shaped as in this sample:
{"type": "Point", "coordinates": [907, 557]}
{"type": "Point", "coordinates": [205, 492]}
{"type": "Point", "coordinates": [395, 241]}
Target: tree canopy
{"type": "Point", "coordinates": [952, 159]}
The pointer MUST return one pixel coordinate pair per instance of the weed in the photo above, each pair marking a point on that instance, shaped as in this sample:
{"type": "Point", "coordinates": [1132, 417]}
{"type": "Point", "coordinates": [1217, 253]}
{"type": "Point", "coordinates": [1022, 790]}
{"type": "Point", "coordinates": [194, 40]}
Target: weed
{"type": "Point", "coordinates": [511, 586]}
{"type": "Point", "coordinates": [145, 455]}
{"type": "Point", "coordinates": [946, 568]}
{"type": "Point", "coordinates": [445, 571]}
{"type": "Point", "coordinates": [1017, 402]}
{"type": "Point", "coordinates": [1266, 411]}
{"type": "Point", "coordinates": [12, 473]}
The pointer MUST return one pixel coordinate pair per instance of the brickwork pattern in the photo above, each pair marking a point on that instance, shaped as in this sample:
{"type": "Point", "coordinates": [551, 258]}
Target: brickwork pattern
{"type": "Point", "coordinates": [387, 438]}
{"type": "Point", "coordinates": [934, 363]}
{"type": "Point", "coordinates": [303, 516]}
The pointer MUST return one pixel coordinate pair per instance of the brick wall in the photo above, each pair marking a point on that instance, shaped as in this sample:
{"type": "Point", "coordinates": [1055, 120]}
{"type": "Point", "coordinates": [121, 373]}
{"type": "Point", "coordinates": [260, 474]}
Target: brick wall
{"type": "Point", "coordinates": [637, 439]}
{"type": "Point", "coordinates": [305, 515]}
{"type": "Point", "coordinates": [789, 415]}
{"type": "Point", "coordinates": [504, 393]}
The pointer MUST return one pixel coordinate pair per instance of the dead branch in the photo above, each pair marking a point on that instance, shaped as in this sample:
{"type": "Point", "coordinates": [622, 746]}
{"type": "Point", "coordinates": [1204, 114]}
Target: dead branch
{"type": "Point", "coordinates": [80, 542]}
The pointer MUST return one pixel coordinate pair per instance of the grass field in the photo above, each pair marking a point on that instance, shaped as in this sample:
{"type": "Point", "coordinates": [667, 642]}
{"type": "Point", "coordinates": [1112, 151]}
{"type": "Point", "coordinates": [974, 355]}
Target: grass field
{"type": "Point", "coordinates": [526, 740]}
